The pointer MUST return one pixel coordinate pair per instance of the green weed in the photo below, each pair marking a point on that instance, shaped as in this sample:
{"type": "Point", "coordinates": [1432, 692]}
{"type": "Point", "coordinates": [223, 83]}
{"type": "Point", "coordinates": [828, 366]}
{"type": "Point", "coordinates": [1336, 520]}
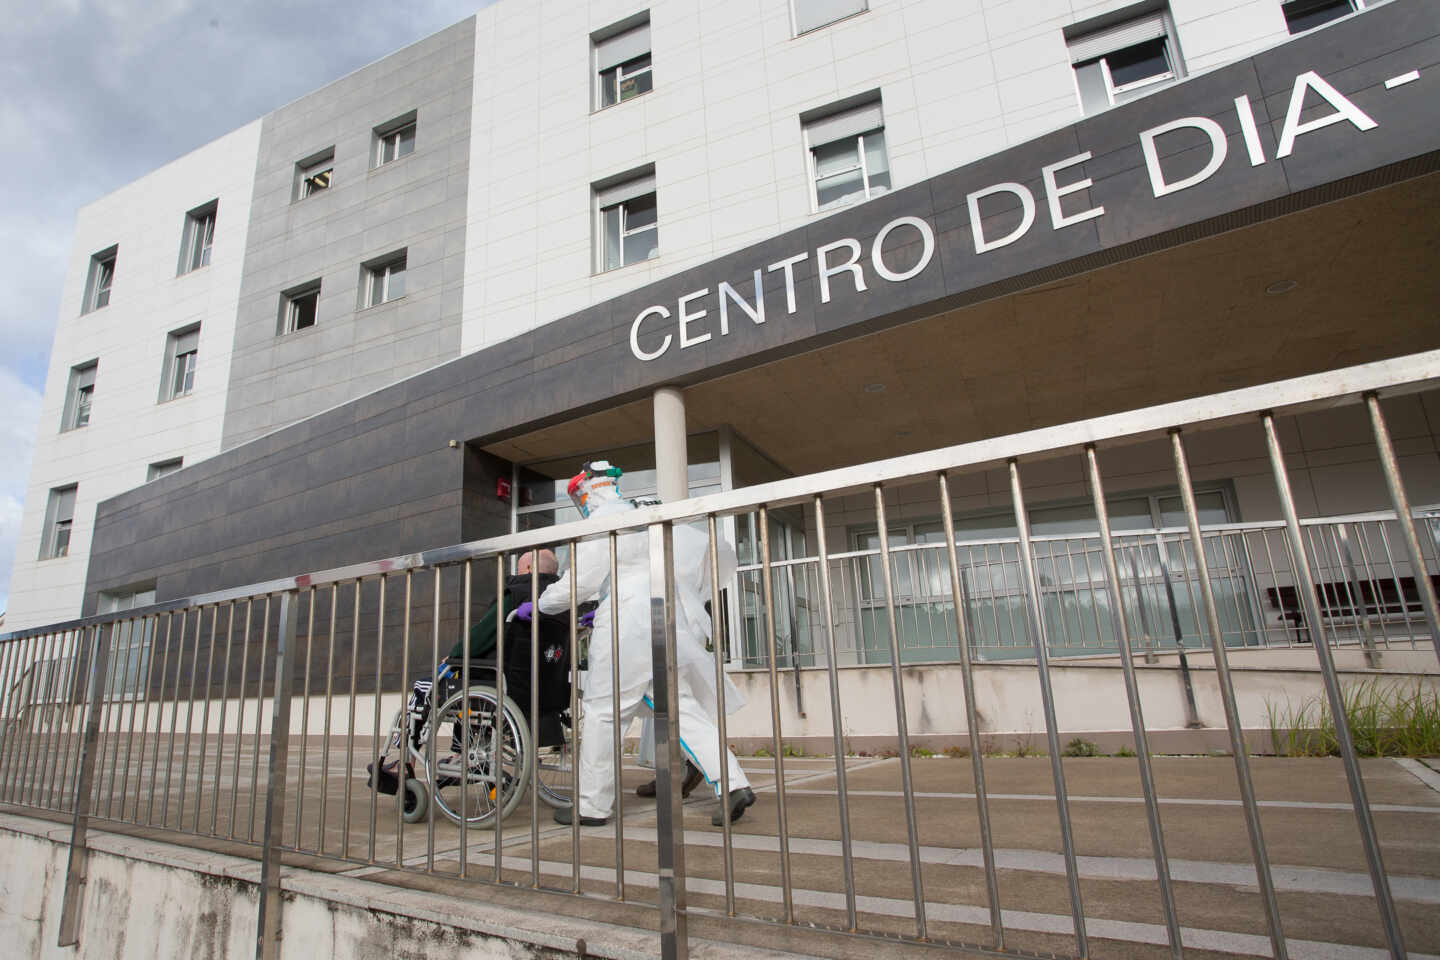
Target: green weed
{"type": "Point", "coordinates": [1080, 747]}
{"type": "Point", "coordinates": [1386, 720]}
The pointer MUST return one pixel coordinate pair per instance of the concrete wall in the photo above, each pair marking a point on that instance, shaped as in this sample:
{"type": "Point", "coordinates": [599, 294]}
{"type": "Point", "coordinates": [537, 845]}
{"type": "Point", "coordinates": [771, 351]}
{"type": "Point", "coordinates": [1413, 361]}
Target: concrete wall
{"type": "Point", "coordinates": [129, 428]}
{"type": "Point", "coordinates": [146, 900]}
{"type": "Point", "coordinates": [414, 203]}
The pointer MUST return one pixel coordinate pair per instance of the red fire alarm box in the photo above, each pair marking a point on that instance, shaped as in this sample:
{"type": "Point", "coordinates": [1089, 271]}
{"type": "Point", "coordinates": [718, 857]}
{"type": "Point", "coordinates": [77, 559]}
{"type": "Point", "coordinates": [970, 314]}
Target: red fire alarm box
{"type": "Point", "coordinates": [502, 489]}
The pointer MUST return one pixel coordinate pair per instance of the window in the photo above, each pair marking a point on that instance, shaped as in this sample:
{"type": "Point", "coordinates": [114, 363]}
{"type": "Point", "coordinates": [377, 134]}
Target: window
{"type": "Point", "coordinates": [198, 238]}
{"type": "Point", "coordinates": [163, 469]}
{"type": "Point", "coordinates": [99, 280]}
{"type": "Point", "coordinates": [1302, 15]}
{"type": "Point", "coordinates": [1123, 59]}
{"type": "Point", "coordinates": [130, 641]}
{"type": "Point", "coordinates": [814, 14]}
{"type": "Point", "coordinates": [395, 139]}
{"type": "Point", "coordinates": [298, 307]}
{"type": "Point", "coordinates": [182, 351]}
{"type": "Point", "coordinates": [627, 227]}
{"type": "Point", "coordinates": [59, 515]}
{"type": "Point", "coordinates": [848, 162]}
{"type": "Point", "coordinates": [79, 395]}
{"type": "Point", "coordinates": [622, 61]}
{"type": "Point", "coordinates": [312, 175]}
{"type": "Point", "coordinates": [383, 280]}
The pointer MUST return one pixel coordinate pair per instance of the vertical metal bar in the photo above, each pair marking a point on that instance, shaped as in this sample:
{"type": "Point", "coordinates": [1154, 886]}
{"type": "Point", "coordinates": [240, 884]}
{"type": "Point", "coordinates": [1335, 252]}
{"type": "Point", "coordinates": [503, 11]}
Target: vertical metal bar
{"type": "Point", "coordinates": [616, 749]}
{"type": "Point", "coordinates": [670, 830]}
{"type": "Point", "coordinates": [1399, 586]}
{"type": "Point", "coordinates": [534, 718]}
{"type": "Point", "coordinates": [34, 725]}
{"type": "Point", "coordinates": [75, 870]}
{"type": "Point", "coordinates": [434, 728]}
{"type": "Point", "coordinates": [304, 777]}
{"type": "Point", "coordinates": [497, 733]}
{"type": "Point", "coordinates": [111, 740]}
{"type": "Point", "coordinates": [574, 760]}
{"type": "Point", "coordinates": [1047, 698]}
{"type": "Point", "coordinates": [1132, 694]}
{"type": "Point", "coordinates": [1401, 502]}
{"type": "Point", "coordinates": [329, 710]}
{"type": "Point", "coordinates": [902, 726]}
{"type": "Point", "coordinates": [175, 715]}
{"type": "Point", "coordinates": [1133, 554]}
{"type": "Point", "coordinates": [350, 719]}
{"type": "Point", "coordinates": [15, 656]}
{"type": "Point", "coordinates": [1367, 564]}
{"type": "Point", "coordinates": [45, 716]}
{"type": "Point", "coordinates": [240, 715]}
{"type": "Point", "coordinates": [465, 724]}
{"type": "Point", "coordinates": [259, 718]}
{"type": "Point", "coordinates": [1252, 588]}
{"type": "Point", "coordinates": [402, 760]}
{"type": "Point", "coordinates": [1358, 604]}
{"type": "Point", "coordinates": [220, 727]}
{"type": "Point", "coordinates": [972, 719]}
{"type": "Point", "coordinates": [1363, 817]}
{"type": "Point", "coordinates": [379, 662]}
{"type": "Point", "coordinates": [1232, 713]}
{"type": "Point", "coordinates": [63, 758]}
{"type": "Point", "coordinates": [204, 722]}
{"type": "Point", "coordinates": [717, 617]}
{"type": "Point", "coordinates": [24, 686]}
{"type": "Point", "coordinates": [189, 718]}
{"type": "Point", "coordinates": [159, 723]}
{"type": "Point", "coordinates": [267, 939]}
{"type": "Point", "coordinates": [766, 573]}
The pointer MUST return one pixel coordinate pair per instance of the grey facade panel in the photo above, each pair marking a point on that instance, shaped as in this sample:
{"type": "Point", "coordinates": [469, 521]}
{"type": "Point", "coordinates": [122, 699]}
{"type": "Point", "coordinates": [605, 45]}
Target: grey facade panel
{"type": "Point", "coordinates": [377, 476]}
{"type": "Point", "coordinates": [416, 203]}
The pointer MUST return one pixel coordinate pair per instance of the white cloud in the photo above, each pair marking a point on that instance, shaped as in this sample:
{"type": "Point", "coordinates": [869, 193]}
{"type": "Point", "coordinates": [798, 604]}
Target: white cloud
{"type": "Point", "coordinates": [17, 442]}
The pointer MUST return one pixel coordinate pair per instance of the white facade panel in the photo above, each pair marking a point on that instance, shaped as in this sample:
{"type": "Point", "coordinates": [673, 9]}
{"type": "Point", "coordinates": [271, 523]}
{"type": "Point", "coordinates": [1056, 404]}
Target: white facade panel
{"type": "Point", "coordinates": [129, 428]}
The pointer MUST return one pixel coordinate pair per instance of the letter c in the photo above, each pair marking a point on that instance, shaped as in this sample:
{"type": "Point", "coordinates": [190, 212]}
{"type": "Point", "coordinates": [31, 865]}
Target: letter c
{"type": "Point", "coordinates": [656, 311]}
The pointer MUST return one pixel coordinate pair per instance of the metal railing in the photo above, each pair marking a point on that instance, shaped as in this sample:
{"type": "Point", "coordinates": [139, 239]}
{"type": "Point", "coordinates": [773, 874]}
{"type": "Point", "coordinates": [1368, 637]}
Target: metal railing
{"type": "Point", "coordinates": [1366, 587]}
{"type": "Point", "coordinates": [166, 711]}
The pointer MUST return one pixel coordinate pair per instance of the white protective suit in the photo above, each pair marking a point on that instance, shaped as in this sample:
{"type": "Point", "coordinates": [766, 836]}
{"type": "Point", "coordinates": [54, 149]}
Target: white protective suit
{"type": "Point", "coordinates": [695, 666]}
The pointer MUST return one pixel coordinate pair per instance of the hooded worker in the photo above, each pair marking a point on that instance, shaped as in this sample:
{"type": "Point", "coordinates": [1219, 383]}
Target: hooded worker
{"type": "Point", "coordinates": [595, 492]}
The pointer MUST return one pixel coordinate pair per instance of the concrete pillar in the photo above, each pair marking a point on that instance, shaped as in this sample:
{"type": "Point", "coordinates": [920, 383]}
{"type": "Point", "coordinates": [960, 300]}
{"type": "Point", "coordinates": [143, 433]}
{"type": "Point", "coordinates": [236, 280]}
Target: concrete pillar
{"type": "Point", "coordinates": [671, 464]}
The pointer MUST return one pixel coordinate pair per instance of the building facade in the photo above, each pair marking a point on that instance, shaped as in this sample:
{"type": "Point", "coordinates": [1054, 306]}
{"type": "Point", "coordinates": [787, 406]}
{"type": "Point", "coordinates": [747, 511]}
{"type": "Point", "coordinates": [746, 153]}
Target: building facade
{"type": "Point", "coordinates": [407, 304]}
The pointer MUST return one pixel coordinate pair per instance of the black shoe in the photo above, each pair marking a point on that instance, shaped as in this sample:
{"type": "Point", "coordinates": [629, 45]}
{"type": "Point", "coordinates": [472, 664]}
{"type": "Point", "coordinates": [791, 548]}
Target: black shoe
{"type": "Point", "coordinates": [739, 800]}
{"type": "Point", "coordinates": [562, 815]}
{"type": "Point", "coordinates": [693, 776]}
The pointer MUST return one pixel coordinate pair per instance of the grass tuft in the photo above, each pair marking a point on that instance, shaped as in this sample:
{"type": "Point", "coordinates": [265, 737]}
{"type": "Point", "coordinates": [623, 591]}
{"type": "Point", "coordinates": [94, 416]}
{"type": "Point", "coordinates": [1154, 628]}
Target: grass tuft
{"type": "Point", "coordinates": [1386, 720]}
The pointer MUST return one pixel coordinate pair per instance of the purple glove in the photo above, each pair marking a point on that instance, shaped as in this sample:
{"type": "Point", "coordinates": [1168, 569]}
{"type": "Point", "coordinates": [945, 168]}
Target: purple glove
{"type": "Point", "coordinates": [587, 619]}
{"type": "Point", "coordinates": [525, 611]}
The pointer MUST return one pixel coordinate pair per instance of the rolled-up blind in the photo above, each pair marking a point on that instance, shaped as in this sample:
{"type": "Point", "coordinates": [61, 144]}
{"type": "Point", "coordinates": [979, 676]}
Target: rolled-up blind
{"type": "Point", "coordinates": [613, 51]}
{"type": "Point", "coordinates": [628, 190]}
{"type": "Point", "coordinates": [1094, 45]}
{"type": "Point", "coordinates": [846, 123]}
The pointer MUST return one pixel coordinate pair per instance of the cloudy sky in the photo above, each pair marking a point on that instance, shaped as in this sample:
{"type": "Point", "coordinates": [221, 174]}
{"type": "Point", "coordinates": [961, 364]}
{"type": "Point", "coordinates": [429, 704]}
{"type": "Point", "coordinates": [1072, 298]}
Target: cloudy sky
{"type": "Point", "coordinates": [98, 93]}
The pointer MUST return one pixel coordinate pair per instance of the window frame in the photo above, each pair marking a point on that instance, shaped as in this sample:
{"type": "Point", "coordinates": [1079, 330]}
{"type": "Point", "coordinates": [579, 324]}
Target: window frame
{"type": "Point", "coordinates": [100, 280]}
{"type": "Point", "coordinates": [163, 468]}
{"type": "Point", "coordinates": [1355, 6]}
{"type": "Point", "coordinates": [197, 239]}
{"type": "Point", "coordinates": [290, 300]}
{"type": "Point", "coordinates": [180, 367]}
{"type": "Point", "coordinates": [621, 192]}
{"type": "Point", "coordinates": [310, 169]}
{"type": "Point", "coordinates": [615, 48]}
{"type": "Point", "coordinates": [51, 547]}
{"type": "Point", "coordinates": [382, 270]}
{"type": "Point", "coordinates": [852, 112]}
{"type": "Point", "coordinates": [795, 30]}
{"type": "Point", "coordinates": [393, 132]}
{"type": "Point", "coordinates": [76, 397]}
{"type": "Point", "coordinates": [1093, 44]}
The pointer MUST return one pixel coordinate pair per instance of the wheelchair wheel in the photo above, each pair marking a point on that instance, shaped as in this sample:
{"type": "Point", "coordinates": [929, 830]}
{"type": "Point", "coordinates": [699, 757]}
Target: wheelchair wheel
{"type": "Point", "coordinates": [481, 783]}
{"type": "Point", "coordinates": [556, 768]}
{"type": "Point", "coordinates": [416, 802]}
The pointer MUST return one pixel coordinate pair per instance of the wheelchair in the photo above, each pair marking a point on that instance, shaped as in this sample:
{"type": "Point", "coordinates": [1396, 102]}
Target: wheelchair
{"type": "Point", "coordinates": [477, 781]}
